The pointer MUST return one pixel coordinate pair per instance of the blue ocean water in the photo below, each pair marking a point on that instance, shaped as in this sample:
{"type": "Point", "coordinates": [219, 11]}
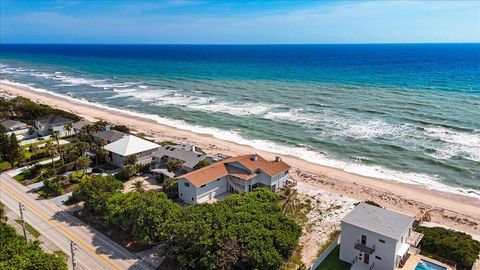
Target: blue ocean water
{"type": "Point", "coordinates": [404, 112]}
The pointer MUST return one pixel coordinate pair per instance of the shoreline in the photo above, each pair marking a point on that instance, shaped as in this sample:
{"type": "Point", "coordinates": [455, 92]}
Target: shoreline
{"type": "Point", "coordinates": [451, 209]}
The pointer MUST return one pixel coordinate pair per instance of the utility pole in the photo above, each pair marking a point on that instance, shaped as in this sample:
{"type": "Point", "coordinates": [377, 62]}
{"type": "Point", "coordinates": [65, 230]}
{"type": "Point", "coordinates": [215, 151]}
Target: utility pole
{"type": "Point", "coordinates": [73, 248]}
{"type": "Point", "coordinates": [22, 208]}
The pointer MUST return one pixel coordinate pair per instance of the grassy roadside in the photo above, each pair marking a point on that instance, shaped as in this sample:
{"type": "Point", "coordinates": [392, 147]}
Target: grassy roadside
{"type": "Point", "coordinates": [30, 229]}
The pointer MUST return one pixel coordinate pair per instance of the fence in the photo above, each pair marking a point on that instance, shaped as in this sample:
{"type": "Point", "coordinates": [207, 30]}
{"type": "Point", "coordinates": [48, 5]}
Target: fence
{"type": "Point", "coordinates": [325, 253]}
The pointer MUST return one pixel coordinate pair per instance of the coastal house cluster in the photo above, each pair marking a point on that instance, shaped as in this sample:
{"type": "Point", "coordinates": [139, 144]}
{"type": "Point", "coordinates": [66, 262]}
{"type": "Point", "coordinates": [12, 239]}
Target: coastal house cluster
{"type": "Point", "coordinates": [41, 127]}
{"type": "Point", "coordinates": [371, 237]}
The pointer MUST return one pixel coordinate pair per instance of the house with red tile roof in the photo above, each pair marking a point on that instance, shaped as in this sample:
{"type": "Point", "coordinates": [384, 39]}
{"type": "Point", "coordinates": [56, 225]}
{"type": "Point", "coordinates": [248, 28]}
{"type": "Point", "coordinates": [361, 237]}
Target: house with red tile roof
{"type": "Point", "coordinates": [232, 175]}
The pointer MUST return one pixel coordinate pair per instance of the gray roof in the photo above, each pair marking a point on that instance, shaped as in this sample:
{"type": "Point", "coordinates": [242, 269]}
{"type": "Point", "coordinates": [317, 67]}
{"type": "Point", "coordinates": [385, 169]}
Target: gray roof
{"type": "Point", "coordinates": [186, 153]}
{"type": "Point", "coordinates": [53, 119]}
{"type": "Point", "coordinates": [12, 124]}
{"type": "Point", "coordinates": [109, 135]}
{"type": "Point", "coordinates": [80, 124]}
{"type": "Point", "coordinates": [385, 222]}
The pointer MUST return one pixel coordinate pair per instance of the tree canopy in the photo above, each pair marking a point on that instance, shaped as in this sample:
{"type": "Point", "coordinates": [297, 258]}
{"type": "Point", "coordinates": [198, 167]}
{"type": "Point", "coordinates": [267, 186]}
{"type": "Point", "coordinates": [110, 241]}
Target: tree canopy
{"type": "Point", "coordinates": [453, 245]}
{"type": "Point", "coordinates": [10, 150]}
{"type": "Point", "coordinates": [144, 215]}
{"type": "Point", "coordinates": [96, 191]}
{"type": "Point", "coordinates": [245, 231]}
{"type": "Point", "coordinates": [16, 253]}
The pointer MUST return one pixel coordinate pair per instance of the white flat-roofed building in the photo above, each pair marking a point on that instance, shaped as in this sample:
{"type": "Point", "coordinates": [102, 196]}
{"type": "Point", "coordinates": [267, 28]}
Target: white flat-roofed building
{"type": "Point", "coordinates": [376, 238]}
{"type": "Point", "coordinates": [131, 145]}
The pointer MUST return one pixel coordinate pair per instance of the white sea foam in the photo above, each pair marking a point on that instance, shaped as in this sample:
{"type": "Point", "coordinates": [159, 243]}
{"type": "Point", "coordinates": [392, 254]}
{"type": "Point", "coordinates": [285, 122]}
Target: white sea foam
{"type": "Point", "coordinates": [293, 115]}
{"type": "Point", "coordinates": [455, 143]}
{"type": "Point", "coordinates": [427, 181]}
{"type": "Point", "coordinates": [169, 97]}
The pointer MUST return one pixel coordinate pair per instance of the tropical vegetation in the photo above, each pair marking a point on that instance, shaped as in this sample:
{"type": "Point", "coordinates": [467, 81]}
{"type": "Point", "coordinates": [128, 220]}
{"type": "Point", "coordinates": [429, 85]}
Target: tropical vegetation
{"type": "Point", "coordinates": [452, 245]}
{"type": "Point", "coordinates": [17, 253]}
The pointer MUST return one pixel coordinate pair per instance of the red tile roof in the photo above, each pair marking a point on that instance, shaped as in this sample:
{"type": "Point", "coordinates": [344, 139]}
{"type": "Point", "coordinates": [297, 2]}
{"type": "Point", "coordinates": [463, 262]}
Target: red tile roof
{"type": "Point", "coordinates": [223, 168]}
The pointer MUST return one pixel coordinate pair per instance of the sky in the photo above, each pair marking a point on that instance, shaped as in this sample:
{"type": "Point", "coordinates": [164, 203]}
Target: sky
{"type": "Point", "coordinates": [239, 22]}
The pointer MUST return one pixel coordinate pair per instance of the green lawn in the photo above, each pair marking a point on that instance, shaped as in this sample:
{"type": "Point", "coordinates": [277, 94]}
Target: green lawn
{"type": "Point", "coordinates": [28, 174]}
{"type": "Point", "coordinates": [30, 229]}
{"type": "Point", "coordinates": [332, 262]}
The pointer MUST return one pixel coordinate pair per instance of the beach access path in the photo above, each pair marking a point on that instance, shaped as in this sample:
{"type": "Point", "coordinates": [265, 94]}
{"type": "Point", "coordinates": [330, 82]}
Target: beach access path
{"type": "Point", "coordinates": [95, 251]}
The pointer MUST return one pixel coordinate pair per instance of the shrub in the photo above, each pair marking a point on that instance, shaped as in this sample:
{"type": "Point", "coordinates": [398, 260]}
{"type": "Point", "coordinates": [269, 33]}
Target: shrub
{"type": "Point", "coordinates": [127, 172]}
{"type": "Point", "coordinates": [121, 128]}
{"type": "Point", "coordinates": [453, 245]}
{"type": "Point", "coordinates": [170, 187]}
{"type": "Point", "coordinates": [201, 164]}
{"type": "Point", "coordinates": [174, 165]}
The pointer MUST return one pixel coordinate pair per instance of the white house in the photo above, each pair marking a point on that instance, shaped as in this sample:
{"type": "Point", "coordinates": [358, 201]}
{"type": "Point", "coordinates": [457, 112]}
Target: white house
{"type": "Point", "coordinates": [376, 238]}
{"type": "Point", "coordinates": [18, 128]}
{"type": "Point", "coordinates": [188, 154]}
{"type": "Point", "coordinates": [52, 122]}
{"type": "Point", "coordinates": [130, 145]}
{"type": "Point", "coordinates": [232, 175]}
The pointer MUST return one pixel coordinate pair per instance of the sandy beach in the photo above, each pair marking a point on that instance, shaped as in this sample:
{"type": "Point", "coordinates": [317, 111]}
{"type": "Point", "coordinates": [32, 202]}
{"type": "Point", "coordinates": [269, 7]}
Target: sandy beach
{"type": "Point", "coordinates": [449, 209]}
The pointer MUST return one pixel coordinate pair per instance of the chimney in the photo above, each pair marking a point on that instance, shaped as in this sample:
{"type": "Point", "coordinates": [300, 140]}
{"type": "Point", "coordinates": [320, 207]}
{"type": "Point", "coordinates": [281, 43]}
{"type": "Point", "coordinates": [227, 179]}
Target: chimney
{"type": "Point", "coordinates": [278, 158]}
{"type": "Point", "coordinates": [254, 157]}
{"type": "Point", "coordinates": [106, 128]}
{"type": "Point", "coordinates": [193, 148]}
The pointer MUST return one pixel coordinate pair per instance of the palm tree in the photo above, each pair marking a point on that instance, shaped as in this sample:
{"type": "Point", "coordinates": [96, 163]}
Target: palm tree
{"type": "Point", "coordinates": [72, 154]}
{"type": "Point", "coordinates": [82, 163]}
{"type": "Point", "coordinates": [139, 186]}
{"type": "Point", "coordinates": [34, 150]}
{"type": "Point", "coordinates": [82, 147]}
{"type": "Point", "coordinates": [55, 134]}
{"type": "Point", "coordinates": [52, 151]}
{"type": "Point", "coordinates": [68, 127]}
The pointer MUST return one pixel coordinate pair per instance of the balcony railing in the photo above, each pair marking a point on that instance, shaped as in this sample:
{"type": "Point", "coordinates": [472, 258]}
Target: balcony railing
{"type": "Point", "coordinates": [414, 238]}
{"type": "Point", "coordinates": [364, 248]}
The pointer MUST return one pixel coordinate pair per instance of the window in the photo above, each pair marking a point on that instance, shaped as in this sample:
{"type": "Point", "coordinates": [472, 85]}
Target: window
{"type": "Point", "coordinates": [364, 239]}
{"type": "Point", "coordinates": [181, 194]}
{"type": "Point", "coordinates": [378, 258]}
{"type": "Point", "coordinates": [193, 199]}
{"type": "Point", "coordinates": [203, 185]}
{"type": "Point", "coordinates": [187, 184]}
{"type": "Point", "coordinates": [218, 179]}
{"type": "Point", "coordinates": [381, 241]}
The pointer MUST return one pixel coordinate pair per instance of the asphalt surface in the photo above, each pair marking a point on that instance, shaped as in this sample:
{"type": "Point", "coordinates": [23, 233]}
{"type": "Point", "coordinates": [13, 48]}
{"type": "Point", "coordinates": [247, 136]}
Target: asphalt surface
{"type": "Point", "coordinates": [95, 251]}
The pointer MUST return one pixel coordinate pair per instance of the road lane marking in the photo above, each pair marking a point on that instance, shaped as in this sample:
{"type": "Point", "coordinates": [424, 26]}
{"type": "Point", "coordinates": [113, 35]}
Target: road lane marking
{"type": "Point", "coordinates": [58, 225]}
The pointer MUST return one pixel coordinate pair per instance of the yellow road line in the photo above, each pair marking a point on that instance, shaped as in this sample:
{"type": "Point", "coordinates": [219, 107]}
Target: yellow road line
{"type": "Point", "coordinates": [58, 225]}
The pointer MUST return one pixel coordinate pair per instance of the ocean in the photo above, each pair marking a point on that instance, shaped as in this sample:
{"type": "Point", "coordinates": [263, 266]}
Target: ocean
{"type": "Point", "coordinates": [403, 112]}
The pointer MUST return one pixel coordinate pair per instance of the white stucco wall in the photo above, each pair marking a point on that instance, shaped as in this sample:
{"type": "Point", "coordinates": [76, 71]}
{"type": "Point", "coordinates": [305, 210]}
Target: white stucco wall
{"type": "Point", "coordinates": [211, 190]}
{"type": "Point", "coordinates": [200, 194]}
{"type": "Point", "coordinates": [386, 251]}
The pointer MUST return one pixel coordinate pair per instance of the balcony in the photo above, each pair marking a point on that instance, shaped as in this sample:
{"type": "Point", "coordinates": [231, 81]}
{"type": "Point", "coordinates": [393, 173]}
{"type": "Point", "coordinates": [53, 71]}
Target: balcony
{"type": "Point", "coordinates": [414, 238]}
{"type": "Point", "coordinates": [364, 248]}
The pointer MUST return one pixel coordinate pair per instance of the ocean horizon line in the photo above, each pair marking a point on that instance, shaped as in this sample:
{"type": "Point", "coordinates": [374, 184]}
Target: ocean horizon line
{"type": "Point", "coordinates": [244, 44]}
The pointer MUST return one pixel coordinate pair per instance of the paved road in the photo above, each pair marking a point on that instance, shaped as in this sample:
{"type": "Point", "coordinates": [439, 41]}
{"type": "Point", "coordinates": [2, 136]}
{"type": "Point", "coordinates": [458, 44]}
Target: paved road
{"type": "Point", "coordinates": [95, 251]}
